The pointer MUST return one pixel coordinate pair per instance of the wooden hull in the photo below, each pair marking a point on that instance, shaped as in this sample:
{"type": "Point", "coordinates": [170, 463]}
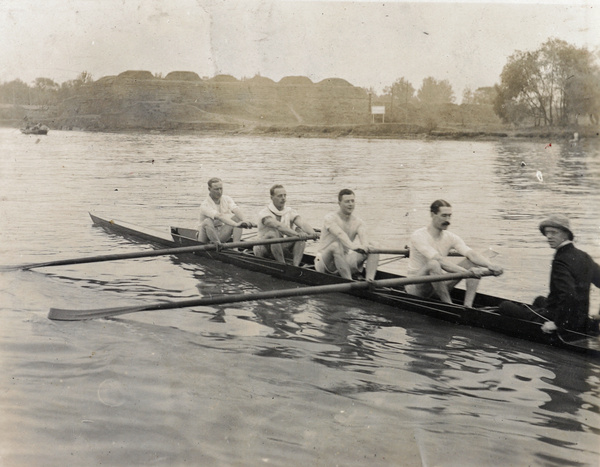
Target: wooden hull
{"type": "Point", "coordinates": [482, 315]}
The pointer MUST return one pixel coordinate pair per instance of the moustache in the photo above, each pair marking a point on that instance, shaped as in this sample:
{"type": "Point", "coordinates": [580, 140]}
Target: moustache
{"type": "Point", "coordinates": [445, 223]}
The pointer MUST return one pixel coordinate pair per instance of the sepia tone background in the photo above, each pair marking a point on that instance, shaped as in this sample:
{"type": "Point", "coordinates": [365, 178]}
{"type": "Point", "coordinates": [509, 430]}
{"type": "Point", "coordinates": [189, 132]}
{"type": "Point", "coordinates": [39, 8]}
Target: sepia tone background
{"type": "Point", "coordinates": [146, 100]}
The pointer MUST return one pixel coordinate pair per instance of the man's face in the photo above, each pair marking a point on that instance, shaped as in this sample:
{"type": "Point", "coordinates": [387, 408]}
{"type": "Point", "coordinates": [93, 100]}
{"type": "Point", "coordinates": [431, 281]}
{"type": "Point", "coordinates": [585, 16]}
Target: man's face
{"type": "Point", "coordinates": [347, 204]}
{"type": "Point", "coordinates": [555, 236]}
{"type": "Point", "coordinates": [279, 197]}
{"type": "Point", "coordinates": [441, 219]}
{"type": "Point", "coordinates": [215, 191]}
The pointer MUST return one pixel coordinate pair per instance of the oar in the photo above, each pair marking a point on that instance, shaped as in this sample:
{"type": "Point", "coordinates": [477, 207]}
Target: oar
{"type": "Point", "coordinates": [403, 252]}
{"type": "Point", "coordinates": [406, 252]}
{"type": "Point", "coordinates": [77, 315]}
{"type": "Point", "coordinates": [161, 252]}
{"type": "Point", "coordinates": [388, 251]}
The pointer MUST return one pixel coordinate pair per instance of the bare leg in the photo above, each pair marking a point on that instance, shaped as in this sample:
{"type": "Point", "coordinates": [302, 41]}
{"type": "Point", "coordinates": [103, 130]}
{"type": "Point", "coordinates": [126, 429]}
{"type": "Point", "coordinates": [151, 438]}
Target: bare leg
{"type": "Point", "coordinates": [371, 267]}
{"type": "Point", "coordinates": [470, 291]}
{"type": "Point", "coordinates": [441, 289]}
{"type": "Point", "coordinates": [335, 259]}
{"type": "Point", "coordinates": [208, 233]}
{"type": "Point", "coordinates": [470, 284]}
{"type": "Point", "coordinates": [224, 233]}
{"type": "Point", "coordinates": [237, 234]}
{"type": "Point", "coordinates": [298, 251]}
{"type": "Point", "coordinates": [341, 264]}
{"type": "Point", "coordinates": [277, 253]}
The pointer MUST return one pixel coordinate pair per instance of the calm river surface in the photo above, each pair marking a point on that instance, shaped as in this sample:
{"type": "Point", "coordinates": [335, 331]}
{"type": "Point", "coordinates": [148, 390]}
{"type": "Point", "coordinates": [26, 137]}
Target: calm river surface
{"type": "Point", "coordinates": [323, 381]}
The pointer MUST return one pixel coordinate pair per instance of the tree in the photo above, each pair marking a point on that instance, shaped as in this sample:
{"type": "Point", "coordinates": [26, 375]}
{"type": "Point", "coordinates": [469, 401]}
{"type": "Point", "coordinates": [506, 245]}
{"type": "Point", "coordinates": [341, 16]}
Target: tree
{"type": "Point", "coordinates": [583, 95]}
{"type": "Point", "coordinates": [83, 78]}
{"type": "Point", "coordinates": [44, 91]}
{"type": "Point", "coordinates": [484, 95]}
{"type": "Point", "coordinates": [434, 92]}
{"type": "Point", "coordinates": [401, 94]}
{"type": "Point", "coordinates": [72, 87]}
{"type": "Point", "coordinates": [45, 84]}
{"type": "Point", "coordinates": [401, 91]}
{"type": "Point", "coordinates": [548, 86]}
{"type": "Point", "coordinates": [468, 96]}
{"type": "Point", "coordinates": [15, 92]}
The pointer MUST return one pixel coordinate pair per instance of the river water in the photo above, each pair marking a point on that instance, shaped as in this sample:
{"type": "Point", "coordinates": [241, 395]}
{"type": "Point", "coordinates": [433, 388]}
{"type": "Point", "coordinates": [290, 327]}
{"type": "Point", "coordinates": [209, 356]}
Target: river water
{"type": "Point", "coordinates": [324, 380]}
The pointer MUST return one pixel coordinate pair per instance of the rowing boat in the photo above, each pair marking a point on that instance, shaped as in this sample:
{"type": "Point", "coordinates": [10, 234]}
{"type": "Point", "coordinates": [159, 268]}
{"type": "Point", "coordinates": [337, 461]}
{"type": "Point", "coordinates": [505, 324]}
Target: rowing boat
{"type": "Point", "coordinates": [36, 130]}
{"type": "Point", "coordinates": [483, 314]}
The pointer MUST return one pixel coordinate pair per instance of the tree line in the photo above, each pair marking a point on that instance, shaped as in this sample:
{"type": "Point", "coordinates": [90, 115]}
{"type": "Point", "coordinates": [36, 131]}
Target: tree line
{"type": "Point", "coordinates": [552, 86]}
{"type": "Point", "coordinates": [43, 91]}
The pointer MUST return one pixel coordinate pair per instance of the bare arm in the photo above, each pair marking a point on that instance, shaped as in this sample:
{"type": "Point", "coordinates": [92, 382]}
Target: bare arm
{"type": "Point", "coordinates": [227, 220]}
{"type": "Point", "coordinates": [342, 237]}
{"type": "Point", "coordinates": [304, 226]}
{"type": "Point", "coordinates": [239, 214]}
{"type": "Point", "coordinates": [447, 264]}
{"type": "Point", "coordinates": [361, 234]}
{"type": "Point", "coordinates": [282, 229]}
{"type": "Point", "coordinates": [480, 260]}
{"type": "Point", "coordinates": [243, 221]}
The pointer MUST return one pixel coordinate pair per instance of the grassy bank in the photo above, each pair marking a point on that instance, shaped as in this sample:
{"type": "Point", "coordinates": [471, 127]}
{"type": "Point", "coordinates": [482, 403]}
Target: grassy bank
{"type": "Point", "coordinates": [403, 131]}
{"type": "Point", "coordinates": [371, 131]}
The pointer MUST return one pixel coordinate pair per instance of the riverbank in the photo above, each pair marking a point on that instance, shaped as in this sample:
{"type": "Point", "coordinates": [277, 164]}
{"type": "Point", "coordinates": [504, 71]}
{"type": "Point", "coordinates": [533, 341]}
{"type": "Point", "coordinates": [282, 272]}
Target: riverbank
{"type": "Point", "coordinates": [404, 131]}
{"type": "Point", "coordinates": [368, 131]}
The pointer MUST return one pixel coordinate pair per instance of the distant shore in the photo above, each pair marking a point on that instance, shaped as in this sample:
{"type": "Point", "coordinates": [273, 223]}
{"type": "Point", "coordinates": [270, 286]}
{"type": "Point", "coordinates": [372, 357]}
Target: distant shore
{"type": "Point", "coordinates": [395, 131]}
{"type": "Point", "coordinates": [369, 131]}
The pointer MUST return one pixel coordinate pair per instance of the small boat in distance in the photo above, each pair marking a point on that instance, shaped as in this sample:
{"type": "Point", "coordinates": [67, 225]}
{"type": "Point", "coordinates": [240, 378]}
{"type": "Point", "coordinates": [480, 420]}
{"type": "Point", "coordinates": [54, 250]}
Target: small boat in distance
{"type": "Point", "coordinates": [37, 129]}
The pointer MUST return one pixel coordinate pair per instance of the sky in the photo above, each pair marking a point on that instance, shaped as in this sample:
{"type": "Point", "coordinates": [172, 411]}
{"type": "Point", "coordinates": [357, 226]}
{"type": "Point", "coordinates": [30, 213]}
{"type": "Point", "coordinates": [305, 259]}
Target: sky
{"type": "Point", "coordinates": [370, 44]}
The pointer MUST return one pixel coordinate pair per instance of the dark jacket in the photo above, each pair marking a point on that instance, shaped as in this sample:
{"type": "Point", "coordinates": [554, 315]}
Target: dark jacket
{"type": "Point", "coordinates": [573, 271]}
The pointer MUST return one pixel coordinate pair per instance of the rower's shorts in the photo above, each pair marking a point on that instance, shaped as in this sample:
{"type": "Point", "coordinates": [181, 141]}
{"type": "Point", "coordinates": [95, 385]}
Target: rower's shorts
{"type": "Point", "coordinates": [424, 290]}
{"type": "Point", "coordinates": [354, 259]}
{"type": "Point", "coordinates": [320, 265]}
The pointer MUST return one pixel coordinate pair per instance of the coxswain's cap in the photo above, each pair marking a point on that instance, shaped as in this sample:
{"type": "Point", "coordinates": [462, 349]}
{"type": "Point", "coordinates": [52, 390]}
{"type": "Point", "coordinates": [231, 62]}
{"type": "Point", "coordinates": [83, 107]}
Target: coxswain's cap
{"type": "Point", "coordinates": [557, 221]}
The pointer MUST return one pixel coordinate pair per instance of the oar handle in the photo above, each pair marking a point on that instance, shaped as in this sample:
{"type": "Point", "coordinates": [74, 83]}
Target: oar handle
{"type": "Point", "coordinates": [403, 252]}
{"type": "Point", "coordinates": [78, 315]}
{"type": "Point", "coordinates": [388, 251]}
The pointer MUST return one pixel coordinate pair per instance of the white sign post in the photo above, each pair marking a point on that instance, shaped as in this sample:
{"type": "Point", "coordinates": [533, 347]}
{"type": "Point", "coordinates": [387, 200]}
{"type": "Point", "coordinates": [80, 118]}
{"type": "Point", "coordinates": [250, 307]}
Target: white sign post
{"type": "Point", "coordinates": [378, 110]}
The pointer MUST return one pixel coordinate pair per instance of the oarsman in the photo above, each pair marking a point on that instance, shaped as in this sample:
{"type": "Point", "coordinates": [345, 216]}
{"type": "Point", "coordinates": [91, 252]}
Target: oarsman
{"type": "Point", "coordinates": [344, 245]}
{"type": "Point", "coordinates": [572, 273]}
{"type": "Point", "coordinates": [429, 249]}
{"type": "Point", "coordinates": [220, 218]}
{"type": "Point", "coordinates": [278, 220]}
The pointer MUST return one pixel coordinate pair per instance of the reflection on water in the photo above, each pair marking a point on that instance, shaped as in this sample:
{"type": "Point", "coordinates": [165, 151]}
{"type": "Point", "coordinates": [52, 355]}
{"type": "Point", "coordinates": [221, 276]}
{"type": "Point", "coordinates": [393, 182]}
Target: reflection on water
{"type": "Point", "coordinates": [344, 381]}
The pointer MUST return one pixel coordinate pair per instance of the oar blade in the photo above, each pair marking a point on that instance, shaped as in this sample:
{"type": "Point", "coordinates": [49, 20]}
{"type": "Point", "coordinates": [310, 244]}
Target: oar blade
{"type": "Point", "coordinates": [61, 314]}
